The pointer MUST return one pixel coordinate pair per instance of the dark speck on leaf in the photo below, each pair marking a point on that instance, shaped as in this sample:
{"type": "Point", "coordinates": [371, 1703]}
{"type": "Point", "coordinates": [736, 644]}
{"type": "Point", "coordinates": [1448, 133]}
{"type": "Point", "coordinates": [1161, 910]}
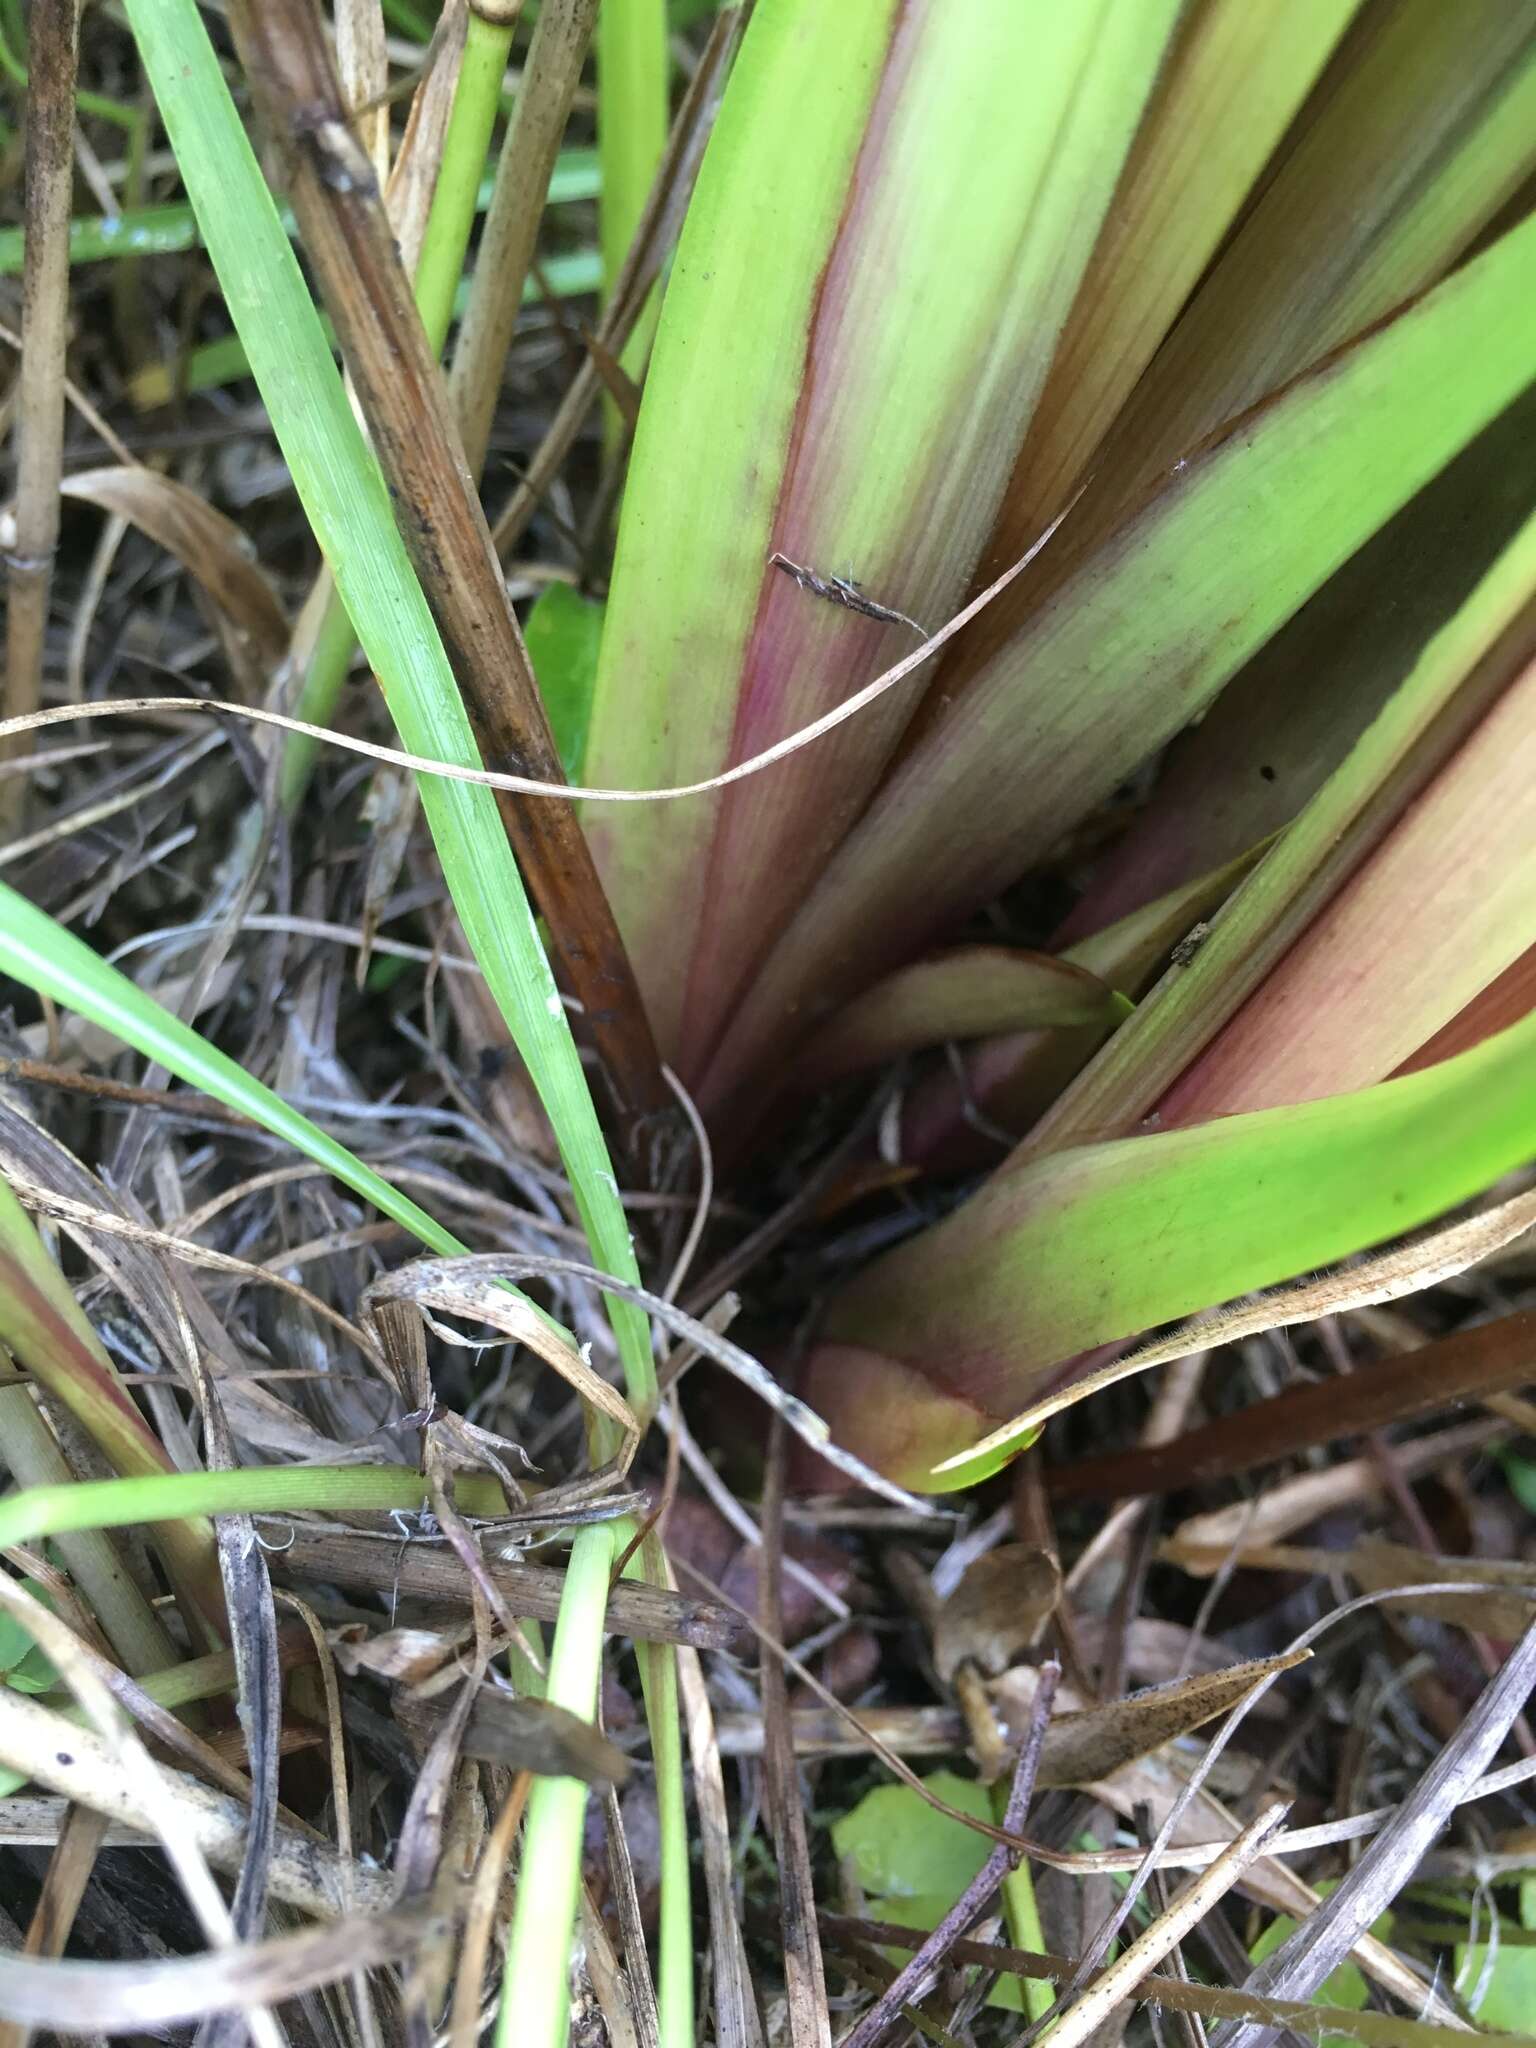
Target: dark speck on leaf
{"type": "Point", "coordinates": [1268, 773]}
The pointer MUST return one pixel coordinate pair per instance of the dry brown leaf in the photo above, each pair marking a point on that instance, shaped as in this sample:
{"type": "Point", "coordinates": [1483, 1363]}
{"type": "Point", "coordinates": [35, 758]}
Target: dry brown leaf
{"type": "Point", "coordinates": [521, 1734]}
{"type": "Point", "coordinates": [1505, 1610]}
{"type": "Point", "coordinates": [211, 548]}
{"type": "Point", "coordinates": [997, 1611]}
{"type": "Point", "coordinates": [406, 1654]}
{"type": "Point", "coordinates": [1082, 1748]}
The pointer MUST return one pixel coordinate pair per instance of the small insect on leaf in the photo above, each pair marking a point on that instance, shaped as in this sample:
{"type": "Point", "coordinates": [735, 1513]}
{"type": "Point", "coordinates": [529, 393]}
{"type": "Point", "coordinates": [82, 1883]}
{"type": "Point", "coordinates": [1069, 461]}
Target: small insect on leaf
{"type": "Point", "coordinates": [844, 591]}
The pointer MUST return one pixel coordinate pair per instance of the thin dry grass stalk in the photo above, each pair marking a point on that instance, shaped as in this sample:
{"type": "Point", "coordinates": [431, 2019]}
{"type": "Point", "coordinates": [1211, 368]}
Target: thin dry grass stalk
{"type": "Point", "coordinates": [551, 74]}
{"type": "Point", "coordinates": [1325, 1937]}
{"type": "Point", "coordinates": [1184, 1912]}
{"type": "Point", "coordinates": [33, 527]}
{"type": "Point", "coordinates": [400, 388]}
{"type": "Point", "coordinates": [804, 1976]}
{"type": "Point", "coordinates": [360, 1560]}
{"type": "Point", "coordinates": [654, 237]}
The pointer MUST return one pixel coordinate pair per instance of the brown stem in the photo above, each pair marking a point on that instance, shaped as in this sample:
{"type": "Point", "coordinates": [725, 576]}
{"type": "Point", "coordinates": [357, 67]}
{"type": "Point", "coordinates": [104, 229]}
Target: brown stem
{"type": "Point", "coordinates": [657, 230]}
{"type": "Point", "coordinates": [550, 78]}
{"type": "Point", "coordinates": [1462, 1367]}
{"type": "Point", "coordinates": [335, 196]}
{"type": "Point", "coordinates": [31, 542]}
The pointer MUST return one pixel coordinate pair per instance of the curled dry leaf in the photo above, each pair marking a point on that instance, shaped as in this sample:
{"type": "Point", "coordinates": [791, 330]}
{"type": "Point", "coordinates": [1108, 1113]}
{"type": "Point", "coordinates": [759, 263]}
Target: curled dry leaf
{"type": "Point", "coordinates": [407, 1654]}
{"type": "Point", "coordinates": [442, 1284]}
{"type": "Point", "coordinates": [997, 1611]}
{"type": "Point", "coordinates": [1082, 1748]}
{"type": "Point", "coordinates": [211, 548]}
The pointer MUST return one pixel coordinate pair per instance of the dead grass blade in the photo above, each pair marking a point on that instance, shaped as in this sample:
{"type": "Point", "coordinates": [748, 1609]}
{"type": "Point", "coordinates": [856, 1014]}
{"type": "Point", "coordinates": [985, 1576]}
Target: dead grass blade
{"type": "Point", "coordinates": [81, 1218]}
{"type": "Point", "coordinates": [400, 389]}
{"type": "Point", "coordinates": [1376, 2030]}
{"type": "Point", "coordinates": [480, 1916]}
{"type": "Point", "coordinates": [551, 74]}
{"type": "Point", "coordinates": [258, 1691]}
{"type": "Point", "coordinates": [361, 1560]}
{"type": "Point", "coordinates": [1185, 1911]}
{"type": "Point", "coordinates": [639, 1991]}
{"type": "Point", "coordinates": [31, 533]}
{"type": "Point", "coordinates": [655, 234]}
{"type": "Point", "coordinates": [737, 2024]}
{"type": "Point", "coordinates": [210, 547]}
{"type": "Point", "coordinates": [413, 175]}
{"type": "Point", "coordinates": [805, 1981]}
{"type": "Point", "coordinates": [1488, 1358]}
{"type": "Point", "coordinates": [1326, 1936]}
{"type": "Point", "coordinates": [362, 58]}
{"type": "Point", "coordinates": [130, 1998]}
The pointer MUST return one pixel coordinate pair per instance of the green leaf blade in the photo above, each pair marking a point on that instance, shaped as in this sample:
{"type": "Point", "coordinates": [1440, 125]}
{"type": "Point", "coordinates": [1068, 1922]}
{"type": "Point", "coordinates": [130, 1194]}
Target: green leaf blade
{"type": "Point", "coordinates": [1145, 633]}
{"type": "Point", "coordinates": [344, 497]}
{"type": "Point", "coordinates": [1093, 1245]}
